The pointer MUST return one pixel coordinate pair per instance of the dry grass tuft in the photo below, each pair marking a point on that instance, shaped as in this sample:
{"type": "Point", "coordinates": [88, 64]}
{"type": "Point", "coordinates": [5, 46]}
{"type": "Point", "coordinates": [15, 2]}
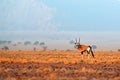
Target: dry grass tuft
{"type": "Point", "coordinates": [58, 65]}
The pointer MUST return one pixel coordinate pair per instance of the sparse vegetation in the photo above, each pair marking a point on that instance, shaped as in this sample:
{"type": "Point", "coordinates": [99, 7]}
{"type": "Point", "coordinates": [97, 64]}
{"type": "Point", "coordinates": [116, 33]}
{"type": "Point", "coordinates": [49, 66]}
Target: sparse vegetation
{"type": "Point", "coordinates": [58, 65]}
{"type": "Point", "coordinates": [42, 43]}
{"type": "Point", "coordinates": [34, 49]}
{"type": "Point", "coordinates": [44, 48]}
{"type": "Point", "coordinates": [2, 42]}
{"type": "Point", "coordinates": [27, 42]}
{"type": "Point", "coordinates": [94, 46]}
{"type": "Point", "coordinates": [5, 48]}
{"type": "Point", "coordinates": [36, 43]}
{"type": "Point", "coordinates": [71, 42]}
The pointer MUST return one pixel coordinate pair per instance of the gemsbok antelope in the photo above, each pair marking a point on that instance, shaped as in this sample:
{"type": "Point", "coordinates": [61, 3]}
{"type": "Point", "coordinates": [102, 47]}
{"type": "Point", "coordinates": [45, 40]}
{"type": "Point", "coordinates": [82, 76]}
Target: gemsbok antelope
{"type": "Point", "coordinates": [84, 48]}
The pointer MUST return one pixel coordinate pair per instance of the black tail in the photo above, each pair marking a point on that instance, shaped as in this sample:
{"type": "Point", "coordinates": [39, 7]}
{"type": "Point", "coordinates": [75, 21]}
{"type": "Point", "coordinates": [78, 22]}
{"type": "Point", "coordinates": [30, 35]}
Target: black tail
{"type": "Point", "coordinates": [91, 51]}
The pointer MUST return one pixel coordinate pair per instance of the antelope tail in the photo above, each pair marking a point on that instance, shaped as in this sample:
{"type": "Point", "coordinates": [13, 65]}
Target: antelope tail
{"type": "Point", "coordinates": [91, 51]}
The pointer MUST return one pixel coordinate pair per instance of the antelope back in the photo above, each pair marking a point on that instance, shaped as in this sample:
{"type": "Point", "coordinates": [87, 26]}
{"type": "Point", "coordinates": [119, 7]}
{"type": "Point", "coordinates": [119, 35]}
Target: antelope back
{"type": "Point", "coordinates": [82, 48]}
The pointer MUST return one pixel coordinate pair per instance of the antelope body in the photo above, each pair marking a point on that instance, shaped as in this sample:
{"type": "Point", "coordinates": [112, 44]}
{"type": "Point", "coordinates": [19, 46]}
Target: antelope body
{"type": "Point", "coordinates": [84, 48]}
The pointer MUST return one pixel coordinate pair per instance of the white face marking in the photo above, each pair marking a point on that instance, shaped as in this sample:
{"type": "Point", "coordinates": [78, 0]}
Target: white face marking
{"type": "Point", "coordinates": [88, 49]}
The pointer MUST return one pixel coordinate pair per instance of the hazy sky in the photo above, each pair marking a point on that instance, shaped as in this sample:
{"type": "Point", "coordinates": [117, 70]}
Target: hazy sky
{"type": "Point", "coordinates": [70, 15]}
{"type": "Point", "coordinates": [60, 18]}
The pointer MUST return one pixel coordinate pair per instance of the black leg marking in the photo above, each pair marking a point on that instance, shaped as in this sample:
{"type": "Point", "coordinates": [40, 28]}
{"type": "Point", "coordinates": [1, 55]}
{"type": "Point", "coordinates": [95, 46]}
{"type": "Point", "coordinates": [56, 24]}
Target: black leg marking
{"type": "Point", "coordinates": [82, 55]}
{"type": "Point", "coordinates": [91, 51]}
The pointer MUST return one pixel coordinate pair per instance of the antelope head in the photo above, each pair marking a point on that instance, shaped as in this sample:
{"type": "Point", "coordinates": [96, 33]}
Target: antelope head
{"type": "Point", "coordinates": [77, 43]}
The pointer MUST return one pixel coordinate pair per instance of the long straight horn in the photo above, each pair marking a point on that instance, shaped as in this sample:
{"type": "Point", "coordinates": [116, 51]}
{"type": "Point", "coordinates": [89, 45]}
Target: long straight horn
{"type": "Point", "coordinates": [79, 40]}
{"type": "Point", "coordinates": [76, 40]}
